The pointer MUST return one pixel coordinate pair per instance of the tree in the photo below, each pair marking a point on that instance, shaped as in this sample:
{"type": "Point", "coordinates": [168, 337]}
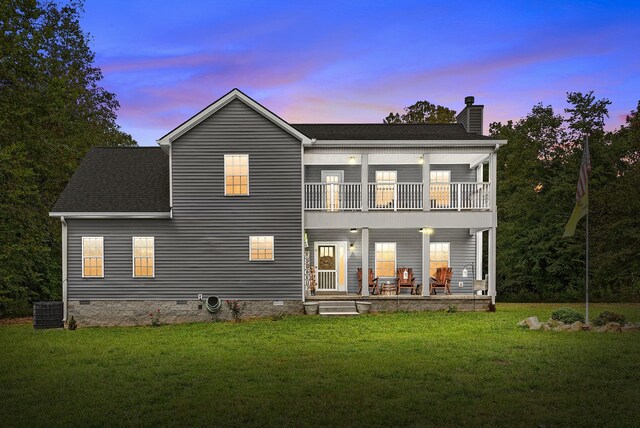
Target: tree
{"type": "Point", "coordinates": [52, 110]}
{"type": "Point", "coordinates": [423, 112]}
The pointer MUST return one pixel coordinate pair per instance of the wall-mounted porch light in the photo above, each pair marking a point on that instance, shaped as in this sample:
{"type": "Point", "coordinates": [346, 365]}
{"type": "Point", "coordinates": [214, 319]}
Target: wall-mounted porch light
{"type": "Point", "coordinates": [426, 230]}
{"type": "Point", "coordinates": [352, 160]}
{"type": "Point", "coordinates": [420, 160]}
{"type": "Point", "coordinates": [465, 272]}
{"type": "Point", "coordinates": [352, 246]}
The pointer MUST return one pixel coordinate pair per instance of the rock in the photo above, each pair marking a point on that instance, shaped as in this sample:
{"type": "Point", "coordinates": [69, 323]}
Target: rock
{"type": "Point", "coordinates": [564, 327]}
{"type": "Point", "coordinates": [614, 327]}
{"type": "Point", "coordinates": [522, 323]}
{"type": "Point", "coordinates": [576, 326]}
{"type": "Point", "coordinates": [630, 327]}
{"type": "Point", "coordinates": [533, 323]}
{"type": "Point", "coordinates": [556, 328]}
{"type": "Point", "coordinates": [545, 326]}
{"type": "Point", "coordinates": [601, 329]}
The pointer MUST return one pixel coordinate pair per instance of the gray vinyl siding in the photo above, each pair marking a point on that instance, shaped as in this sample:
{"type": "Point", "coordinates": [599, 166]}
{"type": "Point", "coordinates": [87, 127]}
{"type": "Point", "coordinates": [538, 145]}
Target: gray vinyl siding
{"type": "Point", "coordinates": [406, 173]}
{"type": "Point", "coordinates": [459, 172]}
{"type": "Point", "coordinates": [205, 247]}
{"type": "Point", "coordinates": [313, 173]}
{"type": "Point", "coordinates": [408, 251]}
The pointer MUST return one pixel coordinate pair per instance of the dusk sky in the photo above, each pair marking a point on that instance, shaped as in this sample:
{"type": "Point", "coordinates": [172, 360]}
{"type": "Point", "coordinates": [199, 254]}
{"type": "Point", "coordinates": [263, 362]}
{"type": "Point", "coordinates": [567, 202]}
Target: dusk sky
{"type": "Point", "coordinates": [349, 61]}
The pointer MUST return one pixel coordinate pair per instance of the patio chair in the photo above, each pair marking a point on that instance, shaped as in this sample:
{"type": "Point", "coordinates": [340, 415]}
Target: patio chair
{"type": "Point", "coordinates": [442, 280]}
{"type": "Point", "coordinates": [373, 282]}
{"type": "Point", "coordinates": [404, 278]}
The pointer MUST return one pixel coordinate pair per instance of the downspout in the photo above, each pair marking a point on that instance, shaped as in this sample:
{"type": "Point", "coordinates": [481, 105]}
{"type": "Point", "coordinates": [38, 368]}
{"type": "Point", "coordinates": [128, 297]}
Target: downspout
{"type": "Point", "coordinates": [64, 268]}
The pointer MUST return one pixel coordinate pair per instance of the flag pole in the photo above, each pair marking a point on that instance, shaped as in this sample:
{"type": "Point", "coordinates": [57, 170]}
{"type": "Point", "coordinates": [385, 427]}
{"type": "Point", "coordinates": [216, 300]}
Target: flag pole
{"type": "Point", "coordinates": [587, 248]}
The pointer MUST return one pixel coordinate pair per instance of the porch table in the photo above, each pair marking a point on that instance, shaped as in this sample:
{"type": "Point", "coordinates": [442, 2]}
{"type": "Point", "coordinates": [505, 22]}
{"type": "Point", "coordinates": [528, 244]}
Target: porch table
{"type": "Point", "coordinates": [388, 290]}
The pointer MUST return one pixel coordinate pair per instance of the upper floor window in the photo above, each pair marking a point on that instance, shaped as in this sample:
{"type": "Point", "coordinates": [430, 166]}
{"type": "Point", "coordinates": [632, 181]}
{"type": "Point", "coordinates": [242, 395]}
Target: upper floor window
{"type": "Point", "coordinates": [92, 257]}
{"type": "Point", "coordinates": [143, 257]}
{"type": "Point", "coordinates": [261, 248]}
{"type": "Point", "coordinates": [440, 188]}
{"type": "Point", "coordinates": [236, 175]}
{"type": "Point", "coordinates": [439, 257]}
{"type": "Point", "coordinates": [386, 259]}
{"type": "Point", "coordinates": [385, 188]}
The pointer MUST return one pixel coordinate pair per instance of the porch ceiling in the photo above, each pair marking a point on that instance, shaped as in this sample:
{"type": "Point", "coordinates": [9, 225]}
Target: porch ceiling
{"type": "Point", "coordinates": [394, 158]}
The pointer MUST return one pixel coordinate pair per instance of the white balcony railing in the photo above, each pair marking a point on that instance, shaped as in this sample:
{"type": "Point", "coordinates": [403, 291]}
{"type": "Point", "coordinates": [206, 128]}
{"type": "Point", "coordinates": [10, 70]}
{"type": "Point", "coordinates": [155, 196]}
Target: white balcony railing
{"type": "Point", "coordinates": [333, 196]}
{"type": "Point", "coordinates": [397, 196]}
{"type": "Point", "coordinates": [459, 196]}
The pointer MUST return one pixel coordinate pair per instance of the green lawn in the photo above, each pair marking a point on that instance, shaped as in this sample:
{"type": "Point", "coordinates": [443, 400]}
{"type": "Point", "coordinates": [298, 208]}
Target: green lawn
{"type": "Point", "coordinates": [408, 369]}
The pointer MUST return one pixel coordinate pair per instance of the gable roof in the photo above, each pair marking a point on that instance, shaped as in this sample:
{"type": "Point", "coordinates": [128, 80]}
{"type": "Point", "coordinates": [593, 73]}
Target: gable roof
{"type": "Point", "coordinates": [383, 131]}
{"type": "Point", "coordinates": [118, 180]}
{"type": "Point", "coordinates": [234, 94]}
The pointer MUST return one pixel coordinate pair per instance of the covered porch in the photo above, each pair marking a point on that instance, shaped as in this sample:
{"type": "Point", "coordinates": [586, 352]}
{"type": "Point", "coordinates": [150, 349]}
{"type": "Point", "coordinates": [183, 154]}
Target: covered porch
{"type": "Point", "coordinates": [337, 259]}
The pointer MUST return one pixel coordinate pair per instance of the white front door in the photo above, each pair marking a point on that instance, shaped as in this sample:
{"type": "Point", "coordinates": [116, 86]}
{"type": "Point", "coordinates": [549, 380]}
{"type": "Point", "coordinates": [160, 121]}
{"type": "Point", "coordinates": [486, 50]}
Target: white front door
{"type": "Point", "coordinates": [330, 260]}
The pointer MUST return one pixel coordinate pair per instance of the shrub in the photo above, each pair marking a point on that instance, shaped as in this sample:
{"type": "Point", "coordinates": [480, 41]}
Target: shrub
{"type": "Point", "coordinates": [607, 317]}
{"type": "Point", "coordinates": [567, 316]}
{"type": "Point", "coordinates": [452, 309]}
{"type": "Point", "coordinates": [72, 324]}
{"type": "Point", "coordinates": [155, 318]}
{"type": "Point", "coordinates": [236, 309]}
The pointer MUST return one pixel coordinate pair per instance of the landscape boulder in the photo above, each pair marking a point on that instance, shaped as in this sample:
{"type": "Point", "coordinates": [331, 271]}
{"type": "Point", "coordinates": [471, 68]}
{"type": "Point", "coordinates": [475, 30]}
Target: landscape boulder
{"type": "Point", "coordinates": [533, 323]}
{"type": "Point", "coordinates": [576, 326]}
{"type": "Point", "coordinates": [614, 327]}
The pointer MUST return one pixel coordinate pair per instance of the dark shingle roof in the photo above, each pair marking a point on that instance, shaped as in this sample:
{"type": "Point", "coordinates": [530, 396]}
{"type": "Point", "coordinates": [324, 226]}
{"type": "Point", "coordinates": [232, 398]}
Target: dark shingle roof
{"type": "Point", "coordinates": [118, 179]}
{"type": "Point", "coordinates": [381, 131]}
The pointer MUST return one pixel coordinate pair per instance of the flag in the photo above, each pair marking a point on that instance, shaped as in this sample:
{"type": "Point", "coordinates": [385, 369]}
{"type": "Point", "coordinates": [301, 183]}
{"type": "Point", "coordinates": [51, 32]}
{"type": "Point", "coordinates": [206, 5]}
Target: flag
{"type": "Point", "coordinates": [582, 193]}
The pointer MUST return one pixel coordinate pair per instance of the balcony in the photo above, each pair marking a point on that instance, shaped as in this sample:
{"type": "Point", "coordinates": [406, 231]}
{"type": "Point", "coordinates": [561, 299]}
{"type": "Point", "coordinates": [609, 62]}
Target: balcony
{"type": "Point", "coordinates": [334, 197]}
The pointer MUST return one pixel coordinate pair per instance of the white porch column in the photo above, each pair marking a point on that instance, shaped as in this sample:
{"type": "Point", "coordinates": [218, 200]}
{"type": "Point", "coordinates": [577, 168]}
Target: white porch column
{"type": "Point", "coordinates": [426, 255]}
{"type": "Point", "coordinates": [479, 254]}
{"type": "Point", "coordinates": [365, 261]}
{"type": "Point", "coordinates": [364, 179]}
{"type": "Point", "coordinates": [426, 182]}
{"type": "Point", "coordinates": [493, 178]}
{"type": "Point", "coordinates": [492, 264]}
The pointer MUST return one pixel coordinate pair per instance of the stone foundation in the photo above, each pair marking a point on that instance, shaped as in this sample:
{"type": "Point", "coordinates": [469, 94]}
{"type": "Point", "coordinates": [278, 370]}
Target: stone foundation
{"type": "Point", "coordinates": [141, 312]}
{"type": "Point", "coordinates": [415, 303]}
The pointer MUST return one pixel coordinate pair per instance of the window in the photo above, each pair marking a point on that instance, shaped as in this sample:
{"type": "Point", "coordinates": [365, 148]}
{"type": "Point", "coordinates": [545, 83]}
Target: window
{"type": "Point", "coordinates": [440, 189]}
{"type": "Point", "coordinates": [260, 248]}
{"type": "Point", "coordinates": [386, 259]}
{"type": "Point", "coordinates": [439, 256]}
{"type": "Point", "coordinates": [92, 257]}
{"type": "Point", "coordinates": [143, 257]}
{"type": "Point", "coordinates": [236, 175]}
{"type": "Point", "coordinates": [385, 192]}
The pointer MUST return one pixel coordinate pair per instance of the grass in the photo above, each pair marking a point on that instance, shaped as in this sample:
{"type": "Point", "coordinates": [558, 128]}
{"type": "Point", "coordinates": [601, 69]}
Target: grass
{"type": "Point", "coordinates": [402, 369]}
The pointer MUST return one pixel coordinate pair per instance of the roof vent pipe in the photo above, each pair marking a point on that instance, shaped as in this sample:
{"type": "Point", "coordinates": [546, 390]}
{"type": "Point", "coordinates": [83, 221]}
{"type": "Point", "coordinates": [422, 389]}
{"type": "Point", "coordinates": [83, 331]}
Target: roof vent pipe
{"type": "Point", "coordinates": [469, 100]}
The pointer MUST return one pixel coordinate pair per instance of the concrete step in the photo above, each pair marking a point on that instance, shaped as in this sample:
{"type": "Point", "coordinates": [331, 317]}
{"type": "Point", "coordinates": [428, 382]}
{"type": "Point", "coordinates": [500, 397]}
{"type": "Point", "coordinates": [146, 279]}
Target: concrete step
{"type": "Point", "coordinates": [331, 308]}
{"type": "Point", "coordinates": [338, 314]}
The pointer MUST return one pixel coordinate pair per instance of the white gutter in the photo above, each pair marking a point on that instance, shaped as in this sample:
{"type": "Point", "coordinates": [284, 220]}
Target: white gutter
{"type": "Point", "coordinates": [96, 215]}
{"type": "Point", "coordinates": [64, 268]}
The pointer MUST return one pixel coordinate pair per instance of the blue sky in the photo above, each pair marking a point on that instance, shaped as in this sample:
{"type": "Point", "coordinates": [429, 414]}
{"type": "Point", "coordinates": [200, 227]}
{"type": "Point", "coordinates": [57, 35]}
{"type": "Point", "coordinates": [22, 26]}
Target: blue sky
{"type": "Point", "coordinates": [350, 61]}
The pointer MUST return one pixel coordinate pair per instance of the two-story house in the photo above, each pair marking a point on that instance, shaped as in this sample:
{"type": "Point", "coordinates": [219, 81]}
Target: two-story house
{"type": "Point", "coordinates": [239, 204]}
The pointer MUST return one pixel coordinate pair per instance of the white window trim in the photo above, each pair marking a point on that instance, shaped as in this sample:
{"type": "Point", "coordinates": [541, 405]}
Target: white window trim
{"type": "Point", "coordinates": [273, 248]}
{"type": "Point", "coordinates": [133, 257]}
{"type": "Point", "coordinates": [224, 167]}
{"type": "Point", "coordinates": [448, 254]}
{"type": "Point", "coordinates": [102, 250]}
{"type": "Point", "coordinates": [395, 259]}
{"type": "Point", "coordinates": [382, 171]}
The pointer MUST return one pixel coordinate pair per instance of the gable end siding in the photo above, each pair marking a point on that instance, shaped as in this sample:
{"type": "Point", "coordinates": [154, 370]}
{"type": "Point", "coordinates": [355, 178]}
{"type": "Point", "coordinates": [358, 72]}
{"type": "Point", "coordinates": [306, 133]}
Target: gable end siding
{"type": "Point", "coordinates": [205, 247]}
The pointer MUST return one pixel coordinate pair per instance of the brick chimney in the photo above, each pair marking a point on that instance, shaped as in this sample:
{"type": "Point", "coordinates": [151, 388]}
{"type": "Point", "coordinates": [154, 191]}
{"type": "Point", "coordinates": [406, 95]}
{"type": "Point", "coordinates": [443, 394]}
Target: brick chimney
{"type": "Point", "coordinates": [471, 116]}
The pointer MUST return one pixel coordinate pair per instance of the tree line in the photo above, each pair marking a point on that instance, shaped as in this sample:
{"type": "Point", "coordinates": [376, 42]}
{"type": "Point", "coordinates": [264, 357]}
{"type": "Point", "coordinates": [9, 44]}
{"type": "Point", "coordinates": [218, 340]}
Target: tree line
{"type": "Point", "coordinates": [537, 179]}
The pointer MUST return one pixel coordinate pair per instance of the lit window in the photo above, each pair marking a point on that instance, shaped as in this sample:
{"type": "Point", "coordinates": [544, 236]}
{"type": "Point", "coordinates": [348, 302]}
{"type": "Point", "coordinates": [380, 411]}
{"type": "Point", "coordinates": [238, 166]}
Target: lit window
{"type": "Point", "coordinates": [385, 192]}
{"type": "Point", "coordinates": [92, 257]}
{"type": "Point", "coordinates": [439, 256]}
{"type": "Point", "coordinates": [143, 257]}
{"type": "Point", "coordinates": [440, 189]}
{"type": "Point", "coordinates": [260, 248]}
{"type": "Point", "coordinates": [386, 259]}
{"type": "Point", "coordinates": [236, 175]}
